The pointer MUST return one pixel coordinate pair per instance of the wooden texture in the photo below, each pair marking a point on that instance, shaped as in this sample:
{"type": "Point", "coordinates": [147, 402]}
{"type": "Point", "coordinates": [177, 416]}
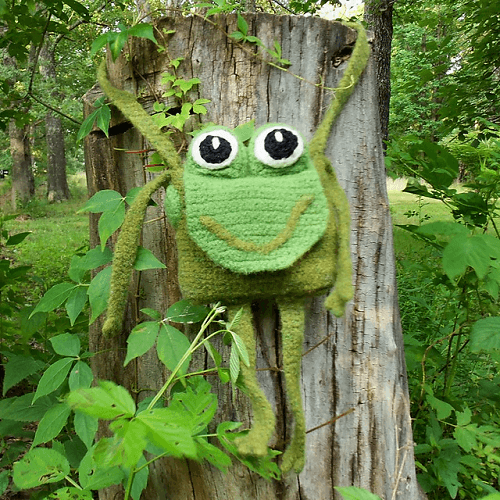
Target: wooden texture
{"type": "Point", "coordinates": [353, 365]}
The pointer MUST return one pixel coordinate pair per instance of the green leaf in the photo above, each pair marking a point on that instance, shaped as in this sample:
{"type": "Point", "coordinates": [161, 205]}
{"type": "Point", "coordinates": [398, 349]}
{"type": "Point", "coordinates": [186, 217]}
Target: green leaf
{"type": "Point", "coordinates": [110, 221]}
{"type": "Point", "coordinates": [117, 43]}
{"type": "Point", "coordinates": [15, 239]}
{"type": "Point", "coordinates": [171, 347]}
{"type": "Point", "coordinates": [234, 366]}
{"type": "Point", "coordinates": [126, 447]}
{"type": "Point", "coordinates": [152, 313]}
{"type": "Point", "coordinates": [4, 480]}
{"type": "Point", "coordinates": [87, 125]}
{"type": "Point", "coordinates": [141, 339]}
{"type": "Point", "coordinates": [52, 423]}
{"type": "Point", "coordinates": [95, 477]}
{"type": "Point", "coordinates": [464, 418]}
{"type": "Point", "coordinates": [53, 377]}
{"type": "Point", "coordinates": [245, 131]}
{"type": "Point", "coordinates": [443, 228]}
{"type": "Point", "coordinates": [76, 302]}
{"type": "Point", "coordinates": [140, 480]}
{"type": "Point", "coordinates": [71, 493]}
{"type": "Point", "coordinates": [265, 467]}
{"type": "Point", "coordinates": [22, 408]}
{"type": "Point", "coordinates": [96, 257]}
{"type": "Point", "coordinates": [353, 493]}
{"type": "Point", "coordinates": [485, 335]}
{"type": "Point", "coordinates": [237, 35]}
{"type": "Point", "coordinates": [108, 401]}
{"type": "Point", "coordinates": [241, 348]}
{"type": "Point", "coordinates": [170, 431]}
{"type": "Point", "coordinates": [143, 30]}
{"type": "Point", "coordinates": [442, 408]}
{"type": "Point", "coordinates": [466, 438]}
{"type": "Point", "coordinates": [54, 298]}
{"type": "Point", "coordinates": [212, 454]}
{"type": "Point", "coordinates": [80, 376]}
{"type": "Point", "coordinates": [146, 260]}
{"type": "Point", "coordinates": [18, 368]}
{"type": "Point", "coordinates": [98, 293]}
{"type": "Point", "coordinates": [197, 403]}
{"type": "Point", "coordinates": [86, 428]}
{"type": "Point", "coordinates": [242, 24]}
{"type": "Point", "coordinates": [99, 43]}
{"type": "Point", "coordinates": [40, 466]}
{"type": "Point", "coordinates": [185, 312]}
{"type": "Point", "coordinates": [104, 118]}
{"type": "Point", "coordinates": [66, 344]}
{"type": "Point", "coordinates": [102, 201]}
{"type": "Point", "coordinates": [462, 252]}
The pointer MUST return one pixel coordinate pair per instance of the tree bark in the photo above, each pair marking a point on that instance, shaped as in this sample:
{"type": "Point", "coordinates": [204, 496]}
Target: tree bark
{"type": "Point", "coordinates": [57, 184]}
{"type": "Point", "coordinates": [23, 182]}
{"type": "Point", "coordinates": [353, 367]}
{"type": "Point", "coordinates": [378, 15]}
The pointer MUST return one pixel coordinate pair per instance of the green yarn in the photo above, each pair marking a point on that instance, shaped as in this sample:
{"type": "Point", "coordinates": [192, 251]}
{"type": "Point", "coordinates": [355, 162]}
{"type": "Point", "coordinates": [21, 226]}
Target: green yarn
{"type": "Point", "coordinates": [292, 334]}
{"type": "Point", "coordinates": [255, 442]}
{"type": "Point", "coordinates": [260, 223]}
{"type": "Point", "coordinates": [267, 221]}
{"type": "Point", "coordinates": [125, 255]}
{"type": "Point", "coordinates": [173, 206]}
{"type": "Point", "coordinates": [357, 64]}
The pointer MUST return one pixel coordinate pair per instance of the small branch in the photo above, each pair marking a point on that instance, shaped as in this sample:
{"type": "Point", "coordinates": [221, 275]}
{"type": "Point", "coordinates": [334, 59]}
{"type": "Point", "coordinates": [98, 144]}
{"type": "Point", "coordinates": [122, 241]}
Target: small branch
{"type": "Point", "coordinates": [333, 420]}
{"type": "Point", "coordinates": [55, 110]}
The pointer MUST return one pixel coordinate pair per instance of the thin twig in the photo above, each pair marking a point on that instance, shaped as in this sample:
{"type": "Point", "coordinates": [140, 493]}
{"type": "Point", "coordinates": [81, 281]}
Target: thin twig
{"type": "Point", "coordinates": [331, 421]}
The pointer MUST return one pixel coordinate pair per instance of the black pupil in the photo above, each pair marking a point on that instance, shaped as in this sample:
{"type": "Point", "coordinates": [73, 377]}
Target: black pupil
{"type": "Point", "coordinates": [215, 149]}
{"type": "Point", "coordinates": [280, 143]}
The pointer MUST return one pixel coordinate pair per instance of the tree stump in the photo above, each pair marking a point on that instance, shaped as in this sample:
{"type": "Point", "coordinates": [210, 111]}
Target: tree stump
{"type": "Point", "coordinates": [353, 367]}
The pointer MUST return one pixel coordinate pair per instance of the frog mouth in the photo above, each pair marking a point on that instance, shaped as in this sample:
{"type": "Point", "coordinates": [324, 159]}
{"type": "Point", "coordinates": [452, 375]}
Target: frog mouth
{"type": "Point", "coordinates": [265, 248]}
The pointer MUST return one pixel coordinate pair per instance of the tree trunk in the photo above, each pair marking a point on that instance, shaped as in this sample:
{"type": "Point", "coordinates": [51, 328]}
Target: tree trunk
{"type": "Point", "coordinates": [23, 182]}
{"type": "Point", "coordinates": [352, 366]}
{"type": "Point", "coordinates": [57, 184]}
{"type": "Point", "coordinates": [378, 15]}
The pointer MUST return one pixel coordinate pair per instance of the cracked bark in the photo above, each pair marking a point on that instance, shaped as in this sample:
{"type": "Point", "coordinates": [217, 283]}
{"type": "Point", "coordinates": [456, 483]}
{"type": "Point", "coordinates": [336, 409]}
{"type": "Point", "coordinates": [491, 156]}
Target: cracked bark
{"type": "Point", "coordinates": [361, 365]}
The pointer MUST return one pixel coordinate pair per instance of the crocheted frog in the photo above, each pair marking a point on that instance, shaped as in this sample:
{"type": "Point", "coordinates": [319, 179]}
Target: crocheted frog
{"type": "Point", "coordinates": [267, 220]}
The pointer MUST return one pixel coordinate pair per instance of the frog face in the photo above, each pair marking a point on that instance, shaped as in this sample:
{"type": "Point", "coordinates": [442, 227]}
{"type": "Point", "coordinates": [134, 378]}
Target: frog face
{"type": "Point", "coordinates": [257, 208]}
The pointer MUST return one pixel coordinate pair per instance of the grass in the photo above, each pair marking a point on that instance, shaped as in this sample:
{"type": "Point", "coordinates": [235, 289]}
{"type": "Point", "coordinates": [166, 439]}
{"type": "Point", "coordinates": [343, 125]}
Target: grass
{"type": "Point", "coordinates": [57, 232]}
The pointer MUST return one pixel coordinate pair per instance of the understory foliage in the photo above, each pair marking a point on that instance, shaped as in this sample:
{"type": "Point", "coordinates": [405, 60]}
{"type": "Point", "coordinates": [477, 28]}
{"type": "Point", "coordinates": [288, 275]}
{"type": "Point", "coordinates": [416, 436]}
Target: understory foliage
{"type": "Point", "coordinates": [449, 299]}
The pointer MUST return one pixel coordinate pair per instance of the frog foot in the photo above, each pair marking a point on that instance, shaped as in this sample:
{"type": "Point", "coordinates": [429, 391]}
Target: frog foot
{"type": "Point", "coordinates": [252, 445]}
{"type": "Point", "coordinates": [294, 457]}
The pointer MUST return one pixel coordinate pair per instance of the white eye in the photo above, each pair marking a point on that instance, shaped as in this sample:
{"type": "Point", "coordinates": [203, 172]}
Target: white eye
{"type": "Point", "coordinates": [215, 149]}
{"type": "Point", "coordinates": [278, 146]}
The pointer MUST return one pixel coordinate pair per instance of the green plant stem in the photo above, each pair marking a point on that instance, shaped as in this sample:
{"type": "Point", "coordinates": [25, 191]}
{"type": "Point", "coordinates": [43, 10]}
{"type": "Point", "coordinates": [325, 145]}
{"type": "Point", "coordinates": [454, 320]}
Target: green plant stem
{"type": "Point", "coordinates": [74, 483]}
{"type": "Point", "coordinates": [208, 320]}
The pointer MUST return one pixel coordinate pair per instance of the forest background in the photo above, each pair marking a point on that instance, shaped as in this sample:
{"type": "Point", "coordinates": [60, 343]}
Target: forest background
{"type": "Point", "coordinates": [442, 137]}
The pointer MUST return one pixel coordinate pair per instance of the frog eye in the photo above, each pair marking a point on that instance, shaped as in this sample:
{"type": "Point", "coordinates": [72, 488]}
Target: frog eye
{"type": "Point", "coordinates": [215, 149]}
{"type": "Point", "coordinates": [278, 146]}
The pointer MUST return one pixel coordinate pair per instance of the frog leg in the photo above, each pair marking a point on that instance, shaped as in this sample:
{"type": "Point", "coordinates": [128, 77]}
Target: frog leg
{"type": "Point", "coordinates": [292, 334]}
{"type": "Point", "coordinates": [255, 442]}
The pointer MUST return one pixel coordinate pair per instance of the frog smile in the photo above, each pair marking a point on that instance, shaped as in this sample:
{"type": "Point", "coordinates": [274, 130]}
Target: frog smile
{"type": "Point", "coordinates": [249, 246]}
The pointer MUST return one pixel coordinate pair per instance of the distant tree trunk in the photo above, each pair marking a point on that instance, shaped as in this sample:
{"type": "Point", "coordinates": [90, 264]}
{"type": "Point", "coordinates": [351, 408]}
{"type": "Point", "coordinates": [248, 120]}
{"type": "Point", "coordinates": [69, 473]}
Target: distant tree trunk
{"type": "Point", "coordinates": [378, 15]}
{"type": "Point", "coordinates": [57, 184]}
{"type": "Point", "coordinates": [23, 182]}
{"type": "Point", "coordinates": [352, 366]}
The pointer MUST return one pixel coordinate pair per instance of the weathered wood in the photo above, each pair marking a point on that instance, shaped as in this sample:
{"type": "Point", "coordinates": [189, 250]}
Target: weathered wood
{"type": "Point", "coordinates": [352, 365]}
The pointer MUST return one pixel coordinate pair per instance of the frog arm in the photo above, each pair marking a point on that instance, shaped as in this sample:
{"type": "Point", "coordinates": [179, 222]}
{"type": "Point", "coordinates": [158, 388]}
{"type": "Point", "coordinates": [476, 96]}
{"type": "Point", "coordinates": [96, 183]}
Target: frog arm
{"type": "Point", "coordinates": [134, 112]}
{"type": "Point", "coordinates": [343, 291]}
{"type": "Point", "coordinates": [356, 66]}
{"type": "Point", "coordinates": [125, 254]}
